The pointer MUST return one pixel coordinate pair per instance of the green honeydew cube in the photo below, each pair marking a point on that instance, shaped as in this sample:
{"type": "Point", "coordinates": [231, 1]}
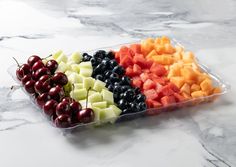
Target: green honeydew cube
{"type": "Point", "coordinates": [75, 68]}
{"type": "Point", "coordinates": [86, 72]}
{"type": "Point", "coordinates": [86, 64]}
{"type": "Point", "coordinates": [107, 96]}
{"type": "Point", "coordinates": [116, 110]}
{"type": "Point", "coordinates": [79, 94]}
{"type": "Point", "coordinates": [99, 85]}
{"type": "Point", "coordinates": [62, 67]}
{"type": "Point", "coordinates": [75, 78]}
{"type": "Point", "coordinates": [88, 82]}
{"type": "Point", "coordinates": [102, 104]}
{"type": "Point", "coordinates": [75, 57]}
{"type": "Point", "coordinates": [108, 115]}
{"type": "Point", "coordinates": [78, 86]}
{"type": "Point", "coordinates": [62, 58]}
{"type": "Point", "coordinates": [96, 97]}
{"type": "Point", "coordinates": [57, 54]}
{"type": "Point", "coordinates": [91, 92]}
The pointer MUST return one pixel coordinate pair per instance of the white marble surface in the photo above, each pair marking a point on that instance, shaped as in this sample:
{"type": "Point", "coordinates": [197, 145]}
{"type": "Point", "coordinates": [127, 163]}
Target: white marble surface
{"type": "Point", "coordinates": [203, 136]}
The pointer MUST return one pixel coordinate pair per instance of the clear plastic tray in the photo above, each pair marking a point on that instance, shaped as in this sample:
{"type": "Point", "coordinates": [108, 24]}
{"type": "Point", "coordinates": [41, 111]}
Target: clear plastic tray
{"type": "Point", "coordinates": [217, 81]}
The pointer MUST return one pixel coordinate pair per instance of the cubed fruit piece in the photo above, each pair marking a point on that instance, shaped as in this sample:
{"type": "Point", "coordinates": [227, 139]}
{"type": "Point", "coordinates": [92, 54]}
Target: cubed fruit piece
{"type": "Point", "coordinates": [147, 46]}
{"type": "Point", "coordinates": [97, 113]}
{"type": "Point", "coordinates": [126, 61]}
{"type": "Point", "coordinates": [67, 88]}
{"type": "Point", "coordinates": [206, 85]}
{"type": "Point", "coordinates": [75, 68]}
{"type": "Point", "coordinates": [136, 48]}
{"type": "Point", "coordinates": [164, 59]}
{"type": "Point", "coordinates": [188, 74]}
{"type": "Point", "coordinates": [168, 100]}
{"type": "Point", "coordinates": [116, 110]}
{"type": "Point", "coordinates": [195, 87]}
{"type": "Point", "coordinates": [91, 92]}
{"type": "Point", "coordinates": [151, 94]}
{"type": "Point", "coordinates": [75, 78]}
{"type": "Point", "coordinates": [99, 85]}
{"type": "Point", "coordinates": [107, 96]}
{"type": "Point", "coordinates": [198, 94]}
{"type": "Point", "coordinates": [169, 49]}
{"type": "Point", "coordinates": [78, 94]}
{"type": "Point", "coordinates": [144, 77]}
{"type": "Point", "coordinates": [158, 69]}
{"type": "Point", "coordinates": [217, 90]}
{"type": "Point", "coordinates": [149, 84]}
{"type": "Point", "coordinates": [78, 86]}
{"type": "Point", "coordinates": [88, 82]}
{"type": "Point", "coordinates": [188, 57]}
{"type": "Point", "coordinates": [165, 40]}
{"type": "Point", "coordinates": [62, 58]}
{"type": "Point", "coordinates": [137, 82]}
{"type": "Point", "coordinates": [166, 91]}
{"type": "Point", "coordinates": [186, 89]}
{"type": "Point", "coordinates": [139, 59]}
{"type": "Point", "coordinates": [137, 69]}
{"type": "Point", "coordinates": [153, 103]}
{"type": "Point", "coordinates": [179, 98]}
{"type": "Point", "coordinates": [102, 104]}
{"type": "Point", "coordinates": [108, 115]}
{"type": "Point", "coordinates": [86, 64]}
{"type": "Point", "coordinates": [151, 54]}
{"type": "Point", "coordinates": [96, 97]}
{"type": "Point", "coordinates": [62, 67]}
{"type": "Point", "coordinates": [185, 95]}
{"type": "Point", "coordinates": [173, 87]}
{"type": "Point", "coordinates": [178, 81]}
{"type": "Point", "coordinates": [57, 54]}
{"type": "Point", "coordinates": [87, 72]}
{"type": "Point", "coordinates": [75, 57]}
{"type": "Point", "coordinates": [83, 103]}
{"type": "Point", "coordinates": [129, 71]}
{"type": "Point", "coordinates": [68, 72]}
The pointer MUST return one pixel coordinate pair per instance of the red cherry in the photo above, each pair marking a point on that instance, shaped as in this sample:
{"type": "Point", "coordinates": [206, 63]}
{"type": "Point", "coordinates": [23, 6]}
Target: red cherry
{"type": "Point", "coordinates": [63, 108]}
{"type": "Point", "coordinates": [86, 115]}
{"type": "Point", "coordinates": [33, 59]}
{"type": "Point", "coordinates": [42, 99]}
{"type": "Point", "coordinates": [41, 87]}
{"type": "Point", "coordinates": [49, 107]}
{"type": "Point", "coordinates": [62, 121]}
{"type": "Point", "coordinates": [68, 99]}
{"type": "Point", "coordinates": [37, 65]}
{"type": "Point", "coordinates": [40, 72]}
{"type": "Point", "coordinates": [29, 86]}
{"type": "Point", "coordinates": [75, 106]}
{"type": "Point", "coordinates": [22, 70]}
{"type": "Point", "coordinates": [26, 78]}
{"type": "Point", "coordinates": [57, 93]}
{"type": "Point", "coordinates": [60, 78]}
{"type": "Point", "coordinates": [52, 65]}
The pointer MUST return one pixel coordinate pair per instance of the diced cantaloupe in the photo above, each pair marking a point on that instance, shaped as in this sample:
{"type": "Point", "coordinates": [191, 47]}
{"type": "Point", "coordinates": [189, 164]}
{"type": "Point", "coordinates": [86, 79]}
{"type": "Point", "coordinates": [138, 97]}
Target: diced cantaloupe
{"type": "Point", "coordinates": [188, 73]}
{"type": "Point", "coordinates": [169, 49]}
{"type": "Point", "coordinates": [195, 87]}
{"type": "Point", "coordinates": [198, 94]}
{"type": "Point", "coordinates": [217, 90]}
{"type": "Point", "coordinates": [186, 89]}
{"type": "Point", "coordinates": [206, 85]}
{"type": "Point", "coordinates": [178, 81]}
{"type": "Point", "coordinates": [164, 59]}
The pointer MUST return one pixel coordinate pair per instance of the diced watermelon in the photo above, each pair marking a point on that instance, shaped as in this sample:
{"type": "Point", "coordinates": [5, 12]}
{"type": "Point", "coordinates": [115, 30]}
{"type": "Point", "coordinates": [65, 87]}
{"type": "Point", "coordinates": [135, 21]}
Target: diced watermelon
{"type": "Point", "coordinates": [167, 100]}
{"type": "Point", "coordinates": [158, 69]}
{"type": "Point", "coordinates": [153, 103]}
{"type": "Point", "coordinates": [137, 69]}
{"type": "Point", "coordinates": [178, 97]}
{"type": "Point", "coordinates": [137, 82]}
{"type": "Point", "coordinates": [151, 94]}
{"type": "Point", "coordinates": [126, 60]}
{"type": "Point", "coordinates": [129, 71]}
{"type": "Point", "coordinates": [166, 91]}
{"type": "Point", "coordinates": [160, 80]}
{"type": "Point", "coordinates": [149, 84]}
{"type": "Point", "coordinates": [144, 76]}
{"type": "Point", "coordinates": [173, 87]}
{"type": "Point", "coordinates": [140, 60]}
{"type": "Point", "coordinates": [136, 48]}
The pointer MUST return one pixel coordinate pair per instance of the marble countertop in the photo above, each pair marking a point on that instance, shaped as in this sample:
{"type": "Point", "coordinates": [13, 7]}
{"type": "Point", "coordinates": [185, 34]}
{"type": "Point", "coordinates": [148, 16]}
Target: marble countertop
{"type": "Point", "coordinates": [203, 136]}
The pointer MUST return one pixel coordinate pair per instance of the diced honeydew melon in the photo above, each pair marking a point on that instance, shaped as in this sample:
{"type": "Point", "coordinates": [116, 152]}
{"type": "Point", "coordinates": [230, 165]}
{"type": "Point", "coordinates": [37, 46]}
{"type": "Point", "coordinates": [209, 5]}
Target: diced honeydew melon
{"type": "Point", "coordinates": [102, 104]}
{"type": "Point", "coordinates": [97, 112]}
{"type": "Point", "coordinates": [79, 94]}
{"type": "Point", "coordinates": [62, 58]}
{"type": "Point", "coordinates": [67, 88]}
{"type": "Point", "coordinates": [116, 110]}
{"type": "Point", "coordinates": [68, 72]}
{"type": "Point", "coordinates": [86, 64]}
{"type": "Point", "coordinates": [88, 82]}
{"type": "Point", "coordinates": [75, 78]}
{"type": "Point", "coordinates": [87, 72]}
{"type": "Point", "coordinates": [108, 114]}
{"type": "Point", "coordinates": [83, 103]}
{"type": "Point", "coordinates": [78, 86]}
{"type": "Point", "coordinates": [107, 96]}
{"type": "Point", "coordinates": [57, 54]}
{"type": "Point", "coordinates": [96, 97]}
{"type": "Point", "coordinates": [99, 85]}
{"type": "Point", "coordinates": [75, 57]}
{"type": "Point", "coordinates": [62, 67]}
{"type": "Point", "coordinates": [75, 68]}
{"type": "Point", "coordinates": [91, 92]}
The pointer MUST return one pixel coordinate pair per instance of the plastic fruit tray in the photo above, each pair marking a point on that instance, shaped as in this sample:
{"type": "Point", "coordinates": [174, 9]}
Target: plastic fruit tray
{"type": "Point", "coordinates": [217, 81]}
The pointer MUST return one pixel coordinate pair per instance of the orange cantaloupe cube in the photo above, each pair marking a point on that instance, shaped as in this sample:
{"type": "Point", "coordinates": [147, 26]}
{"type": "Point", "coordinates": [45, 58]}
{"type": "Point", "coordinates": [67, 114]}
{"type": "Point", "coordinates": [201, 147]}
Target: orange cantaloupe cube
{"type": "Point", "coordinates": [185, 88]}
{"type": "Point", "coordinates": [186, 96]}
{"type": "Point", "coordinates": [160, 49]}
{"type": "Point", "coordinates": [147, 46]}
{"type": "Point", "coordinates": [206, 85]}
{"type": "Point", "coordinates": [178, 81]}
{"type": "Point", "coordinates": [151, 54]}
{"type": "Point", "coordinates": [217, 90]}
{"type": "Point", "coordinates": [198, 94]}
{"type": "Point", "coordinates": [179, 48]}
{"type": "Point", "coordinates": [164, 59]}
{"type": "Point", "coordinates": [195, 87]}
{"type": "Point", "coordinates": [188, 73]}
{"type": "Point", "coordinates": [165, 40]}
{"type": "Point", "coordinates": [188, 57]}
{"type": "Point", "coordinates": [177, 56]}
{"type": "Point", "coordinates": [169, 49]}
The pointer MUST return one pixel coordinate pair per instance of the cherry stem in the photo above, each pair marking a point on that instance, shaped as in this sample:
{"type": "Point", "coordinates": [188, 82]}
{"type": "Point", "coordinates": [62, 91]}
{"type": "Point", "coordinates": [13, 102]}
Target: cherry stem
{"type": "Point", "coordinates": [87, 97]}
{"type": "Point", "coordinates": [47, 57]}
{"type": "Point", "coordinates": [16, 61]}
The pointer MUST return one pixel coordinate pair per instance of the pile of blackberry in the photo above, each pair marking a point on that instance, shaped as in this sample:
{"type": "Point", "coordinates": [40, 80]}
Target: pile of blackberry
{"type": "Point", "coordinates": [106, 69]}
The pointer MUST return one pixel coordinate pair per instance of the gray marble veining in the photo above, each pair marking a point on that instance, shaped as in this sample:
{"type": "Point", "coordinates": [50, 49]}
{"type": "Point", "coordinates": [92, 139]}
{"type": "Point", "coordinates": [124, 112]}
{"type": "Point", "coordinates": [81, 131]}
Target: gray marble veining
{"type": "Point", "coordinates": [202, 136]}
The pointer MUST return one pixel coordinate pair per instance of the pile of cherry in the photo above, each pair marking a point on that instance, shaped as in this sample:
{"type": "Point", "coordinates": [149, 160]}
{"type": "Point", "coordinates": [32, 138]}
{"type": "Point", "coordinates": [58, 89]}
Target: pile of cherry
{"type": "Point", "coordinates": [46, 86]}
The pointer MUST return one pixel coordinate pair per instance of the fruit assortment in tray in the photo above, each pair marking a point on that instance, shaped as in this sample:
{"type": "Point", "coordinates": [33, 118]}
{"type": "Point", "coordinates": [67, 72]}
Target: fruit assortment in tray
{"type": "Point", "coordinates": [106, 85]}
